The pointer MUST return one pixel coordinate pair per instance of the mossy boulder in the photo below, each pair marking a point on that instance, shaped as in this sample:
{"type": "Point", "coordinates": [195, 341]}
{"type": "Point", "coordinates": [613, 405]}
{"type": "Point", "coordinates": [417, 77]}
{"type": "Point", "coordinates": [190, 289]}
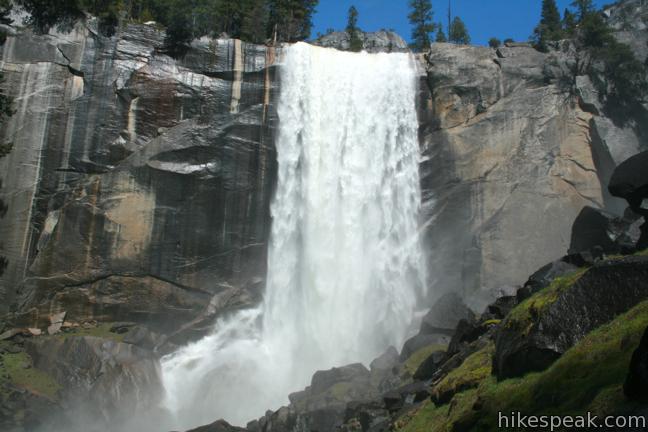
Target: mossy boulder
{"type": "Point", "coordinates": [474, 369]}
{"type": "Point", "coordinates": [98, 375]}
{"type": "Point", "coordinates": [588, 377]}
{"type": "Point", "coordinates": [538, 331]}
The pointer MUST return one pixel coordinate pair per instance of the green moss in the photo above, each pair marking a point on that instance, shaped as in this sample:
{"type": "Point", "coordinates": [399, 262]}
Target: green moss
{"type": "Point", "coordinates": [428, 418]}
{"type": "Point", "coordinates": [588, 377]}
{"type": "Point", "coordinates": [476, 368]}
{"type": "Point", "coordinates": [642, 253]}
{"type": "Point", "coordinates": [491, 322]}
{"type": "Point", "coordinates": [523, 315]}
{"type": "Point", "coordinates": [445, 418]}
{"type": "Point", "coordinates": [17, 369]}
{"type": "Point", "coordinates": [416, 359]}
{"type": "Point", "coordinates": [101, 330]}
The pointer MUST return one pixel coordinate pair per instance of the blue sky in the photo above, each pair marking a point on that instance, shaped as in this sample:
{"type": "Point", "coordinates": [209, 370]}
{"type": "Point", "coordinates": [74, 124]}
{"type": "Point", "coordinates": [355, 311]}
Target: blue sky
{"type": "Point", "coordinates": [484, 18]}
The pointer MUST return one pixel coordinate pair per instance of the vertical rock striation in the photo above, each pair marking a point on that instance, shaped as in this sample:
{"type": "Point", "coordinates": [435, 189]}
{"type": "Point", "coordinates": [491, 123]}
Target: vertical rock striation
{"type": "Point", "coordinates": [131, 167]}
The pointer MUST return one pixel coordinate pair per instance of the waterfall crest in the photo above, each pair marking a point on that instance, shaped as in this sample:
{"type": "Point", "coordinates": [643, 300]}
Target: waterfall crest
{"type": "Point", "coordinates": [345, 264]}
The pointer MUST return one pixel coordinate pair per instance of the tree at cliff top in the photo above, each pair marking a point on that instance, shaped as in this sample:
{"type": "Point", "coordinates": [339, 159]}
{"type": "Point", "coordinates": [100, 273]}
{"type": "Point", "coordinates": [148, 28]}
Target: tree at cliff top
{"type": "Point", "coordinates": [494, 42]}
{"type": "Point", "coordinates": [291, 20]}
{"type": "Point", "coordinates": [569, 23]}
{"type": "Point", "coordinates": [583, 8]}
{"type": "Point", "coordinates": [550, 27]}
{"type": "Point", "coordinates": [458, 32]}
{"type": "Point", "coordinates": [440, 35]}
{"type": "Point", "coordinates": [255, 21]}
{"type": "Point", "coordinates": [619, 76]}
{"type": "Point", "coordinates": [420, 17]}
{"type": "Point", "coordinates": [45, 14]}
{"type": "Point", "coordinates": [5, 11]}
{"type": "Point", "coordinates": [355, 43]}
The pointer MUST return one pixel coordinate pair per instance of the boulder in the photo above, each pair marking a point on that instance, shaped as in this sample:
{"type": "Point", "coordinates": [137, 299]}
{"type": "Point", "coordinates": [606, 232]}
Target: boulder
{"type": "Point", "coordinates": [370, 415]}
{"type": "Point", "coordinates": [445, 314]}
{"type": "Point", "coordinates": [467, 332]}
{"type": "Point", "coordinates": [595, 228]}
{"type": "Point", "coordinates": [409, 394]}
{"type": "Point", "coordinates": [630, 181]}
{"type": "Point", "coordinates": [537, 335]}
{"type": "Point", "coordinates": [101, 379]}
{"type": "Point", "coordinates": [543, 278]}
{"type": "Point", "coordinates": [323, 380]}
{"type": "Point", "coordinates": [386, 361]}
{"type": "Point", "coordinates": [419, 341]}
{"type": "Point", "coordinates": [429, 366]}
{"type": "Point", "coordinates": [500, 308]}
{"type": "Point", "coordinates": [218, 426]}
{"type": "Point", "coordinates": [636, 383]}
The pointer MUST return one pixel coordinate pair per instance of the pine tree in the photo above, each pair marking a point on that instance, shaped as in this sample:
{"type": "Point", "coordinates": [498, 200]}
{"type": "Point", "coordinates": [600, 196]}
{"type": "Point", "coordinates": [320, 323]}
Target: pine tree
{"type": "Point", "coordinates": [494, 42]}
{"type": "Point", "coordinates": [583, 8]}
{"type": "Point", "coordinates": [458, 32]}
{"type": "Point", "coordinates": [291, 20]}
{"type": "Point", "coordinates": [440, 35]}
{"type": "Point", "coordinates": [5, 11]}
{"type": "Point", "coordinates": [420, 17]}
{"type": "Point", "coordinates": [550, 27]}
{"type": "Point", "coordinates": [355, 43]}
{"type": "Point", "coordinates": [45, 14]}
{"type": "Point", "coordinates": [569, 22]}
{"type": "Point", "coordinates": [254, 22]}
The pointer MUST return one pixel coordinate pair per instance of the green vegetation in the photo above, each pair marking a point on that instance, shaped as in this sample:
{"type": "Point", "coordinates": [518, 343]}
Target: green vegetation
{"type": "Point", "coordinates": [623, 79]}
{"type": "Point", "coordinates": [458, 32]}
{"type": "Point", "coordinates": [17, 370]}
{"type": "Point", "coordinates": [522, 317]}
{"type": "Point", "coordinates": [550, 27]}
{"type": "Point", "coordinates": [249, 20]}
{"type": "Point", "coordinates": [588, 377]}
{"type": "Point", "coordinates": [619, 77]}
{"type": "Point", "coordinates": [416, 359]}
{"type": "Point", "coordinates": [476, 368]}
{"type": "Point", "coordinates": [440, 35]}
{"type": "Point", "coordinates": [355, 43]}
{"type": "Point", "coordinates": [494, 42]}
{"type": "Point", "coordinates": [421, 17]}
{"type": "Point", "coordinates": [101, 330]}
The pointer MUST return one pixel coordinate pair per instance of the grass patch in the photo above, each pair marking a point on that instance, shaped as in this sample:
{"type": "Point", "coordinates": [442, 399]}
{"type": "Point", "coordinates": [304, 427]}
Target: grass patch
{"type": "Point", "coordinates": [101, 330]}
{"type": "Point", "coordinates": [588, 377]}
{"type": "Point", "coordinates": [523, 315]}
{"type": "Point", "coordinates": [17, 369]}
{"type": "Point", "coordinates": [415, 360]}
{"type": "Point", "coordinates": [476, 368]}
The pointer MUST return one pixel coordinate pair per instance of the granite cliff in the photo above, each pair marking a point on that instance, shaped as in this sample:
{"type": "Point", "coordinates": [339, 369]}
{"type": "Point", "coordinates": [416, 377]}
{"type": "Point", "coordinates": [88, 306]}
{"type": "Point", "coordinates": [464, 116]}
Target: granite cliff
{"type": "Point", "coordinates": [139, 186]}
{"type": "Point", "coordinates": [136, 170]}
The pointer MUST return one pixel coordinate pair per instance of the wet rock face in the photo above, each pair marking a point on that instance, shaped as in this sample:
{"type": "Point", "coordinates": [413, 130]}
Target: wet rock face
{"type": "Point", "coordinates": [132, 166]}
{"type": "Point", "coordinates": [101, 379]}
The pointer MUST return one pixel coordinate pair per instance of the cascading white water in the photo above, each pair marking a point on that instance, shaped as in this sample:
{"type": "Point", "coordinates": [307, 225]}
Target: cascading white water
{"type": "Point", "coordinates": [345, 264]}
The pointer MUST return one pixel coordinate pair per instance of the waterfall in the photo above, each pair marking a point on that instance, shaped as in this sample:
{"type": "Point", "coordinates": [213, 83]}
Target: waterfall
{"type": "Point", "coordinates": [345, 265]}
